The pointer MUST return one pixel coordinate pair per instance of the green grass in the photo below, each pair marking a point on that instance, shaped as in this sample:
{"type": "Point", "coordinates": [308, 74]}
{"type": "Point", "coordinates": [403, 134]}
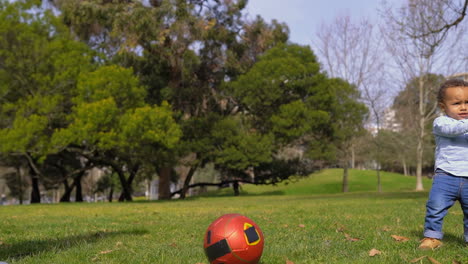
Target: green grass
{"type": "Point", "coordinates": [308, 224]}
{"type": "Point", "coordinates": [329, 182]}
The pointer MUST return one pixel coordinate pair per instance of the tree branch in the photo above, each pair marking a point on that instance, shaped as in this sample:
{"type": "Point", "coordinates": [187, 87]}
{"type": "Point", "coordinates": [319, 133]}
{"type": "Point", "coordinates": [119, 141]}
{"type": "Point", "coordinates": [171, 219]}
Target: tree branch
{"type": "Point", "coordinates": [446, 27]}
{"type": "Point", "coordinates": [220, 184]}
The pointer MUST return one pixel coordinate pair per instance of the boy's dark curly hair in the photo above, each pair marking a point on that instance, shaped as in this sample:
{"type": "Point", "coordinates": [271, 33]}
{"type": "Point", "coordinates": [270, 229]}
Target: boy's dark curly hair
{"type": "Point", "coordinates": [448, 84]}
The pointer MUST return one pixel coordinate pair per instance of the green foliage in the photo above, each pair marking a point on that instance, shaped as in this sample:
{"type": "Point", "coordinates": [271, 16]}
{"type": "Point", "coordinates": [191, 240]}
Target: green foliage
{"type": "Point", "coordinates": [197, 134]}
{"type": "Point", "coordinates": [285, 93]}
{"type": "Point", "coordinates": [348, 113]}
{"type": "Point", "coordinates": [40, 62]}
{"type": "Point", "coordinates": [39, 66]}
{"type": "Point", "coordinates": [92, 124]}
{"type": "Point", "coordinates": [282, 75]}
{"type": "Point", "coordinates": [237, 148]}
{"type": "Point", "coordinates": [114, 82]}
{"type": "Point", "coordinates": [295, 120]}
{"type": "Point", "coordinates": [24, 135]}
{"type": "Point", "coordinates": [110, 113]}
{"type": "Point", "coordinates": [150, 125]}
{"type": "Point", "coordinates": [108, 182]}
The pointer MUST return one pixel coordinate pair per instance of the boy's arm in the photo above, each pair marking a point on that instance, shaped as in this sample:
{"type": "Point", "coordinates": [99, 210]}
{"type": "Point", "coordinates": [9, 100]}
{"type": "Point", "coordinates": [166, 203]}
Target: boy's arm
{"type": "Point", "coordinates": [449, 127]}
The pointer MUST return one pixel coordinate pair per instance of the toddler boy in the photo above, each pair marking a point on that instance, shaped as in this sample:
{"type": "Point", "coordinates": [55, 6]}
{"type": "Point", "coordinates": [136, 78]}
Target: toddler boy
{"type": "Point", "coordinates": [450, 182]}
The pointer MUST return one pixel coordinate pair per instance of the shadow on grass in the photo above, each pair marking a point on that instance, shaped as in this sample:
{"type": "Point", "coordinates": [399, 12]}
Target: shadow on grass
{"type": "Point", "coordinates": [231, 194]}
{"type": "Point", "coordinates": [27, 248]}
{"type": "Point", "coordinates": [245, 193]}
{"type": "Point", "coordinates": [389, 195]}
{"type": "Point", "coordinates": [264, 193]}
{"type": "Point", "coordinates": [382, 195]}
{"type": "Point", "coordinates": [349, 195]}
{"type": "Point", "coordinates": [312, 196]}
{"type": "Point", "coordinates": [448, 238]}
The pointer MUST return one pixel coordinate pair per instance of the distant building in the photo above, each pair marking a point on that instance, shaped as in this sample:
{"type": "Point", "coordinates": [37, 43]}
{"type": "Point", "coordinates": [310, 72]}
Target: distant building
{"type": "Point", "coordinates": [389, 122]}
{"type": "Point", "coordinates": [462, 76]}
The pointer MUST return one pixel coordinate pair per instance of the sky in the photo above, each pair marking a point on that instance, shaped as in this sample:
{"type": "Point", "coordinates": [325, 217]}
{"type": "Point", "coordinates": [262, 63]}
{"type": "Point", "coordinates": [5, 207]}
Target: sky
{"type": "Point", "coordinates": [303, 17]}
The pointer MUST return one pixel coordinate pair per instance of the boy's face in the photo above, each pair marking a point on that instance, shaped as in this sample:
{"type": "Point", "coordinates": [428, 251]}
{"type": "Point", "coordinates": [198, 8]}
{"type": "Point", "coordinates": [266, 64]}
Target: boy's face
{"type": "Point", "coordinates": [455, 103]}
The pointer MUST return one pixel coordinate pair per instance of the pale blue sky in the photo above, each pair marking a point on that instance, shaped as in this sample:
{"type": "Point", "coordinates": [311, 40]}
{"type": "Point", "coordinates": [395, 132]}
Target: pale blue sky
{"type": "Point", "coordinates": [304, 16]}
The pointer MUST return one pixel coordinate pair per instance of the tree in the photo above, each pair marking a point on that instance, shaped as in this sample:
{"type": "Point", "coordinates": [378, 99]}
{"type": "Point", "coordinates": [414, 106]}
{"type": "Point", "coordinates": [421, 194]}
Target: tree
{"type": "Point", "coordinates": [16, 180]}
{"type": "Point", "coordinates": [281, 102]}
{"type": "Point", "coordinates": [39, 64]}
{"type": "Point", "coordinates": [348, 122]}
{"type": "Point", "coordinates": [417, 55]}
{"type": "Point", "coordinates": [238, 148]}
{"type": "Point", "coordinates": [453, 16]}
{"type": "Point", "coordinates": [112, 126]}
{"type": "Point", "coordinates": [284, 102]}
{"type": "Point", "coordinates": [108, 183]}
{"type": "Point", "coordinates": [286, 80]}
{"type": "Point", "coordinates": [353, 52]}
{"type": "Point", "coordinates": [406, 103]}
{"type": "Point", "coordinates": [66, 168]}
{"type": "Point", "coordinates": [285, 97]}
{"type": "Point", "coordinates": [399, 154]}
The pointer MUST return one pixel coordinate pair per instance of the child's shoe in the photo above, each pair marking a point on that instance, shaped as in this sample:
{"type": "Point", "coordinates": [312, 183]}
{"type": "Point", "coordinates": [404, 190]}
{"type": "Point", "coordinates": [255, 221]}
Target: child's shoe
{"type": "Point", "coordinates": [430, 243]}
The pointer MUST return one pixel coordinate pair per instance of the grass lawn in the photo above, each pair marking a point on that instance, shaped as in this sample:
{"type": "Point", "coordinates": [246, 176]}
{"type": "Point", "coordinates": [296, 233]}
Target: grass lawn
{"type": "Point", "coordinates": [303, 222]}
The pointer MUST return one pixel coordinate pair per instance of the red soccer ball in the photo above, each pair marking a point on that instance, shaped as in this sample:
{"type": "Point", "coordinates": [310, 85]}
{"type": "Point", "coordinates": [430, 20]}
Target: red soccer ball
{"type": "Point", "coordinates": [233, 239]}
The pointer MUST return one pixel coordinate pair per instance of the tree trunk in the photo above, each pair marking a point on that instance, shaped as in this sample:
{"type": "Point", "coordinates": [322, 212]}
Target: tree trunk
{"type": "Point", "coordinates": [345, 184]}
{"type": "Point", "coordinates": [130, 179]}
{"type": "Point", "coordinates": [187, 181]}
{"type": "Point", "coordinates": [20, 180]}
{"type": "Point", "coordinates": [111, 194]}
{"type": "Point", "coordinates": [405, 168]}
{"type": "Point", "coordinates": [235, 186]}
{"type": "Point", "coordinates": [379, 182]}
{"type": "Point", "coordinates": [422, 123]}
{"type": "Point", "coordinates": [78, 191]}
{"type": "Point", "coordinates": [35, 193]}
{"type": "Point", "coordinates": [419, 185]}
{"type": "Point", "coordinates": [67, 194]}
{"type": "Point", "coordinates": [164, 188]}
{"type": "Point", "coordinates": [126, 189]}
{"type": "Point", "coordinates": [34, 174]}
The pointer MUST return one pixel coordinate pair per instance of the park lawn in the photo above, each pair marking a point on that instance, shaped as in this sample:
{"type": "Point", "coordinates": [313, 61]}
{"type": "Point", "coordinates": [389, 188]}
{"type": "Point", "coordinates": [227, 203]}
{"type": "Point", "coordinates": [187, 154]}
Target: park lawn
{"type": "Point", "coordinates": [329, 181]}
{"type": "Point", "coordinates": [301, 228]}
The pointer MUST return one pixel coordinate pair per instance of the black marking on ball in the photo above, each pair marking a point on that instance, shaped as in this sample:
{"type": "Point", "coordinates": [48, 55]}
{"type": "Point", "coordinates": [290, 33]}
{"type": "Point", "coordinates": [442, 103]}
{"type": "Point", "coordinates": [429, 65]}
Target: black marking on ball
{"type": "Point", "coordinates": [217, 250]}
{"type": "Point", "coordinates": [251, 234]}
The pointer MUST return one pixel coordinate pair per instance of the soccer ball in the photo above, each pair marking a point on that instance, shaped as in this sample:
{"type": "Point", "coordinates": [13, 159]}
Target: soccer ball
{"type": "Point", "coordinates": [233, 239]}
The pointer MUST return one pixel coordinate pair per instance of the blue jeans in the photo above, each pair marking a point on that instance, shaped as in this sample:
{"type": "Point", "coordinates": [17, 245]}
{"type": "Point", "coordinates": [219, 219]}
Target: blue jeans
{"type": "Point", "coordinates": [446, 189]}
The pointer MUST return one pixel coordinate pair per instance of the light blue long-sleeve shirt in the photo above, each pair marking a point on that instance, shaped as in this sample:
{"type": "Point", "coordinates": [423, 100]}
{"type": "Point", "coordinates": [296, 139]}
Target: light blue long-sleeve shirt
{"type": "Point", "coordinates": [451, 152]}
